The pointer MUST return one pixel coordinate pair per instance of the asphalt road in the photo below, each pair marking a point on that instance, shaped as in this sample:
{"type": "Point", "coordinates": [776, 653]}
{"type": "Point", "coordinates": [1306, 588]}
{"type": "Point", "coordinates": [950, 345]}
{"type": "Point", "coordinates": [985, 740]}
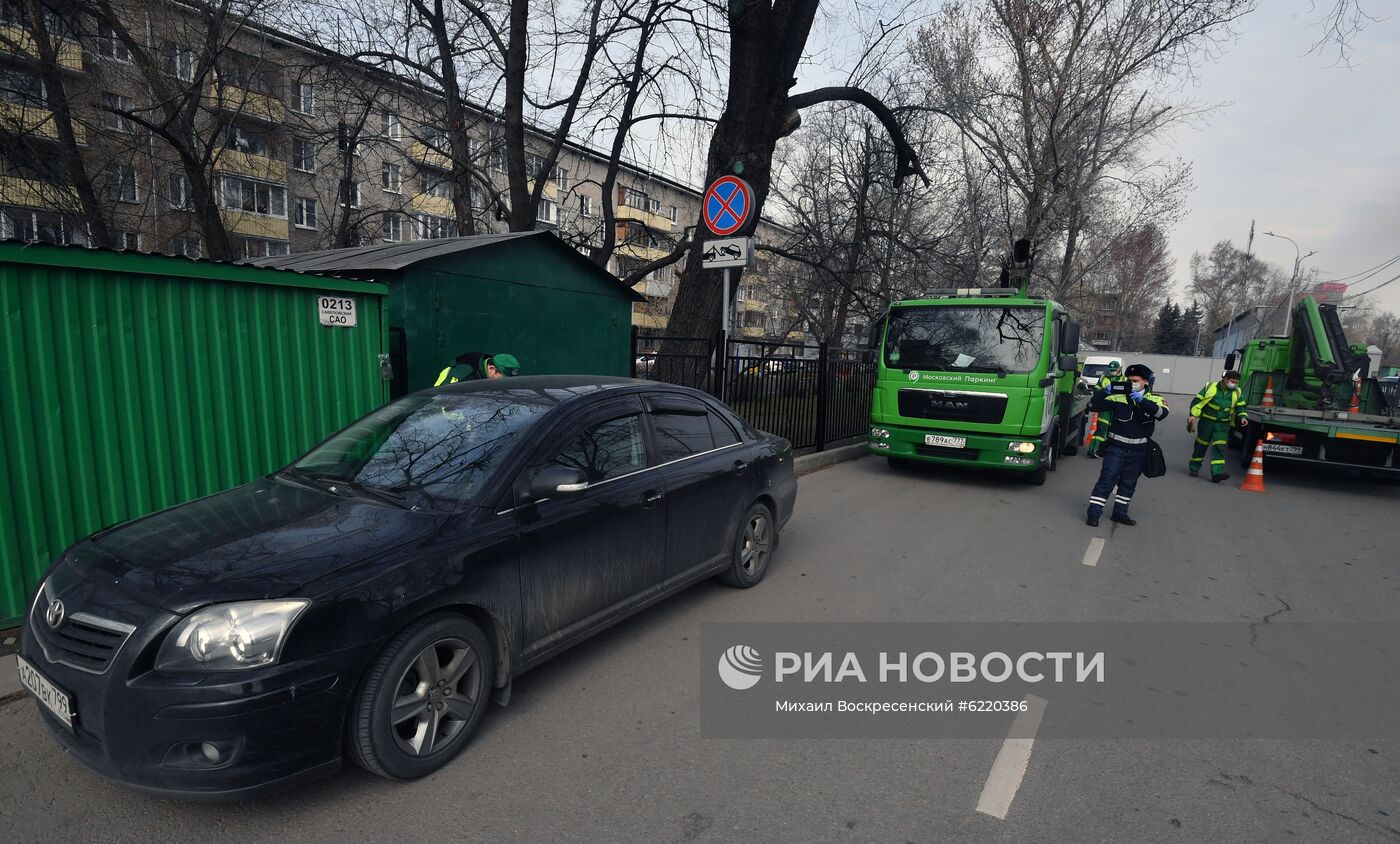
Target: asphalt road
{"type": "Point", "coordinates": [603, 744]}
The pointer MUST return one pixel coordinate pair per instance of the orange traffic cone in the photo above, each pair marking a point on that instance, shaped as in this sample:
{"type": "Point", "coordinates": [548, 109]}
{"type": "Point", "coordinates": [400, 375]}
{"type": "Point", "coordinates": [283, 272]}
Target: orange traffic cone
{"type": "Point", "coordinates": [1268, 400]}
{"type": "Point", "coordinates": [1093, 429]}
{"type": "Point", "coordinates": [1254, 478]}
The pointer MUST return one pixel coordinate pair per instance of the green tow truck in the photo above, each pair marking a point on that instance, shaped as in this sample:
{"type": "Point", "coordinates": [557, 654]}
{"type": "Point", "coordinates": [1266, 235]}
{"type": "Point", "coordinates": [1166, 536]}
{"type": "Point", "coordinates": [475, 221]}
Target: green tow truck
{"type": "Point", "coordinates": [978, 377]}
{"type": "Point", "coordinates": [1317, 377]}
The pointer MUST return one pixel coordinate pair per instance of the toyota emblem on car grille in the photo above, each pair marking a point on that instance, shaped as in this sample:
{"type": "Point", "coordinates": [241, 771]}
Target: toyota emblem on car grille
{"type": "Point", "coordinates": [54, 614]}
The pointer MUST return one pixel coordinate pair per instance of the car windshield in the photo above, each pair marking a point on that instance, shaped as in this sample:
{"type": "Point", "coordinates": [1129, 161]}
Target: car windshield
{"type": "Point", "coordinates": [428, 452]}
{"type": "Point", "coordinates": [1094, 370]}
{"type": "Point", "coordinates": [975, 338]}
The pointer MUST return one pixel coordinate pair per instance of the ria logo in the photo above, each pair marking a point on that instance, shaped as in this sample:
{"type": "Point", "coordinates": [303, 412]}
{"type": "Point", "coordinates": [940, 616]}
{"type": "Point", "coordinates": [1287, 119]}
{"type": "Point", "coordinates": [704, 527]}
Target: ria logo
{"type": "Point", "coordinates": [740, 667]}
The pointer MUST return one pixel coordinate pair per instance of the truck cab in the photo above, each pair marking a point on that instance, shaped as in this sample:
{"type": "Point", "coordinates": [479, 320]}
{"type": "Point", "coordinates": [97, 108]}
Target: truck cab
{"type": "Point", "coordinates": [978, 377]}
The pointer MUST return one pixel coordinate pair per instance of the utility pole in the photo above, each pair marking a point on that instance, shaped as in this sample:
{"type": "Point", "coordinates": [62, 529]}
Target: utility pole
{"type": "Point", "coordinates": [1298, 259]}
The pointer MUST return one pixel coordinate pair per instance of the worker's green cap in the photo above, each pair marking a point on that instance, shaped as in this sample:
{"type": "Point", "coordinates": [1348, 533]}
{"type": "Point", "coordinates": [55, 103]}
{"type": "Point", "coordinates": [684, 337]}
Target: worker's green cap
{"type": "Point", "coordinates": [507, 364]}
{"type": "Point", "coordinates": [1115, 365]}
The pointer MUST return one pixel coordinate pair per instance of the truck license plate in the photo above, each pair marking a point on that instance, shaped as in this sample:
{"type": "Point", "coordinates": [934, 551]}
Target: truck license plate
{"type": "Point", "coordinates": [1280, 448]}
{"type": "Point", "coordinates": [51, 696]}
{"type": "Point", "coordinates": [946, 442]}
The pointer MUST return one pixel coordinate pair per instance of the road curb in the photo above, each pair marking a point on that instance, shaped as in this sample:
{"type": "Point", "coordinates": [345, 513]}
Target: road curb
{"type": "Point", "coordinates": [809, 463]}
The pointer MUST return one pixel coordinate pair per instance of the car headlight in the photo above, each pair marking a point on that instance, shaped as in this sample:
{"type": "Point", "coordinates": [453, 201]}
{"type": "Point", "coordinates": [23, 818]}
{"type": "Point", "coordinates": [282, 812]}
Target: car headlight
{"type": "Point", "coordinates": [1021, 447]}
{"type": "Point", "coordinates": [230, 637]}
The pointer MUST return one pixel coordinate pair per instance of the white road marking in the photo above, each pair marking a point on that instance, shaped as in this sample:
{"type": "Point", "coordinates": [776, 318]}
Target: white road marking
{"type": "Point", "coordinates": [1091, 554]}
{"type": "Point", "coordinates": [1010, 766]}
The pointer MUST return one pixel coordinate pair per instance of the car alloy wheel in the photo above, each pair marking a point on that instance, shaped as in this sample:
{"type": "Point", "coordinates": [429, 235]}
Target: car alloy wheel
{"type": "Point", "coordinates": [757, 544]}
{"type": "Point", "coordinates": [435, 698]}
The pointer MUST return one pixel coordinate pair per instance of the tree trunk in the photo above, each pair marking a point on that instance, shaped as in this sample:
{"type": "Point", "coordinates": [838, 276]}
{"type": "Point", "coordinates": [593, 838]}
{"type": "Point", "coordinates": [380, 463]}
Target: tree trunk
{"type": "Point", "coordinates": [522, 215]}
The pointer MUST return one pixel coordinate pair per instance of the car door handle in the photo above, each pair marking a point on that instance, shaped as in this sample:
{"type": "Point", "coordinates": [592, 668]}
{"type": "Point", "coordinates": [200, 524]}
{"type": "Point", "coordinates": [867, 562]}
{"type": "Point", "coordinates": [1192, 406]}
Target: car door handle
{"type": "Point", "coordinates": [738, 467]}
{"type": "Point", "coordinates": [651, 496]}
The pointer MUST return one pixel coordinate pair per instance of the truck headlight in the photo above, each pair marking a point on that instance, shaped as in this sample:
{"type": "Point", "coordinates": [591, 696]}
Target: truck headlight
{"type": "Point", "coordinates": [880, 433]}
{"type": "Point", "coordinates": [1021, 447]}
{"type": "Point", "coordinates": [230, 637]}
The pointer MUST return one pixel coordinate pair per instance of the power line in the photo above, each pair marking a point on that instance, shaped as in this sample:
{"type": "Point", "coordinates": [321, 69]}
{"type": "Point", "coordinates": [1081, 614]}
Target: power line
{"type": "Point", "coordinates": [1373, 289]}
{"type": "Point", "coordinates": [1368, 272]}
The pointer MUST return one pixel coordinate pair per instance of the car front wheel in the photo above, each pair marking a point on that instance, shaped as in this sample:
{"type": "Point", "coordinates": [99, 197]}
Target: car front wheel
{"type": "Point", "coordinates": [754, 544]}
{"type": "Point", "coordinates": [422, 698]}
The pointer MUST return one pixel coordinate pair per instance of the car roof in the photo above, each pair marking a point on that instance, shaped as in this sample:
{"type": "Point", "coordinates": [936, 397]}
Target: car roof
{"type": "Point", "coordinates": [563, 388]}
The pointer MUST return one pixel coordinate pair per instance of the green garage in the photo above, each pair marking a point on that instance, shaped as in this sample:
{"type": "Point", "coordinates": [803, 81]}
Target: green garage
{"type": "Point", "coordinates": [137, 382]}
{"type": "Point", "coordinates": [525, 293]}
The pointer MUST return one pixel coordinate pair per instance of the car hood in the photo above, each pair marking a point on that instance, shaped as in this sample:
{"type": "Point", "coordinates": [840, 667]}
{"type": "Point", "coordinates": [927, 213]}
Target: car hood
{"type": "Point", "coordinates": [264, 539]}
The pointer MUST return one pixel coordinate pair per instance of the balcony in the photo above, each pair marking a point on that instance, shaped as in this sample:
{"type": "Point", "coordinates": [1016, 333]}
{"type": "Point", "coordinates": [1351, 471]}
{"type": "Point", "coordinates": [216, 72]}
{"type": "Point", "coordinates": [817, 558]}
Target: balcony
{"type": "Point", "coordinates": [751, 330]}
{"type": "Point", "coordinates": [438, 206]}
{"type": "Point", "coordinates": [16, 41]}
{"type": "Point", "coordinates": [751, 305]}
{"type": "Point", "coordinates": [255, 225]}
{"type": "Point", "coordinates": [648, 321]}
{"type": "Point", "coordinates": [33, 193]}
{"type": "Point", "coordinates": [255, 166]}
{"type": "Point", "coordinates": [656, 221]}
{"type": "Point", "coordinates": [28, 121]}
{"type": "Point", "coordinates": [641, 252]}
{"type": "Point", "coordinates": [245, 103]}
{"type": "Point", "coordinates": [424, 154]}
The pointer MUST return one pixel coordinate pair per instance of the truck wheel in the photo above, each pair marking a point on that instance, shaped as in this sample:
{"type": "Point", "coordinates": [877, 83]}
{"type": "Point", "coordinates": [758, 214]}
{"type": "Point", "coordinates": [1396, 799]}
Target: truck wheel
{"type": "Point", "coordinates": [1037, 477]}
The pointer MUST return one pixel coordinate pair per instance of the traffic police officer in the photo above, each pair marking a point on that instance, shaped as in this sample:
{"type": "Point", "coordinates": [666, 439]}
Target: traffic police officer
{"type": "Point", "coordinates": [1217, 405]}
{"type": "Point", "coordinates": [1133, 411]}
{"type": "Point", "coordinates": [1101, 426]}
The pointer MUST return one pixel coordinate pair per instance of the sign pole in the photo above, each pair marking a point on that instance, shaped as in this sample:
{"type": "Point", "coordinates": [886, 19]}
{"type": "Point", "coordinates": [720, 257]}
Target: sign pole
{"type": "Point", "coordinates": [724, 322]}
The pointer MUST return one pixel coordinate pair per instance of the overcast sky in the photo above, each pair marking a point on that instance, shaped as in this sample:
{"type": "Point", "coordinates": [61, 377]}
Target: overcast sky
{"type": "Point", "coordinates": [1309, 150]}
{"type": "Point", "coordinates": [1306, 147]}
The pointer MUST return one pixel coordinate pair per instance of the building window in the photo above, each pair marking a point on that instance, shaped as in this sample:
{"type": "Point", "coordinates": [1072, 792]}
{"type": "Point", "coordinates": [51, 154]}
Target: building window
{"type": "Point", "coordinates": [180, 191]}
{"type": "Point", "coordinates": [303, 155]}
{"type": "Point", "coordinates": [177, 61]}
{"type": "Point", "coordinates": [121, 184]}
{"type": "Point", "coordinates": [633, 198]}
{"type": "Point", "coordinates": [437, 183]}
{"type": "Point", "coordinates": [496, 160]}
{"type": "Point", "coordinates": [115, 108]}
{"type": "Point", "coordinates": [674, 214]}
{"type": "Point", "coordinates": [252, 73]}
{"type": "Point", "coordinates": [239, 193]}
{"type": "Point", "coordinates": [304, 98]}
{"type": "Point", "coordinates": [40, 227]}
{"type": "Point", "coordinates": [305, 213]}
{"type": "Point", "coordinates": [127, 241]}
{"type": "Point", "coordinates": [393, 227]}
{"type": "Point", "coordinates": [389, 125]}
{"type": "Point", "coordinates": [247, 141]}
{"type": "Point", "coordinates": [348, 138]}
{"type": "Point", "coordinates": [189, 247]}
{"type": "Point", "coordinates": [585, 206]}
{"type": "Point", "coordinates": [429, 227]}
{"type": "Point", "coordinates": [257, 247]}
{"type": "Point", "coordinates": [754, 319]}
{"type": "Point", "coordinates": [548, 212]}
{"type": "Point", "coordinates": [561, 178]}
{"type": "Point", "coordinates": [22, 88]}
{"type": "Point", "coordinates": [349, 193]}
{"type": "Point", "coordinates": [109, 46]}
{"type": "Point", "coordinates": [390, 178]}
{"type": "Point", "coordinates": [654, 206]}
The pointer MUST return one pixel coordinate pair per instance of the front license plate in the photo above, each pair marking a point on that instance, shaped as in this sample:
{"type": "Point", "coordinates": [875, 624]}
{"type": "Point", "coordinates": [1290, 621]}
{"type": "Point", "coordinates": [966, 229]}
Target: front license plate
{"type": "Point", "coordinates": [946, 442]}
{"type": "Point", "coordinates": [51, 696]}
{"type": "Point", "coordinates": [1280, 448]}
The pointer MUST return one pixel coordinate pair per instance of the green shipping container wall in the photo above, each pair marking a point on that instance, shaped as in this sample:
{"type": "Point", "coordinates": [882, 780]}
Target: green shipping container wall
{"type": "Point", "coordinates": [526, 293]}
{"type": "Point", "coordinates": [136, 382]}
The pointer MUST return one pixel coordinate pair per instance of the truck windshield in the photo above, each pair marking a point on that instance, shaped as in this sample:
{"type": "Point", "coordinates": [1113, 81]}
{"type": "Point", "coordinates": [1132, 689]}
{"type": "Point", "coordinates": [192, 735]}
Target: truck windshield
{"type": "Point", "coordinates": [974, 338]}
{"type": "Point", "coordinates": [1094, 370]}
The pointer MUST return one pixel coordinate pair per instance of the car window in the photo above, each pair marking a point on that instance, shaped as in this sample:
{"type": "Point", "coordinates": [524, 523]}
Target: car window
{"type": "Point", "coordinates": [606, 450]}
{"type": "Point", "coordinates": [681, 434]}
{"type": "Point", "coordinates": [722, 431]}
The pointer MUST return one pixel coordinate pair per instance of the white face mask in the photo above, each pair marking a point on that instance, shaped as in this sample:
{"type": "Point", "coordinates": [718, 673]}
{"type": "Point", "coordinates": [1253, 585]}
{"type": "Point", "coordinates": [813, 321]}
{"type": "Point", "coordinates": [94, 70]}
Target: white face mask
{"type": "Point", "coordinates": [1230, 385]}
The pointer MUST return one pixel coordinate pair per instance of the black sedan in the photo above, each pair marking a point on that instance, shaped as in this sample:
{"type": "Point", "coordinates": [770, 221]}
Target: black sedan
{"type": "Point", "coordinates": [368, 600]}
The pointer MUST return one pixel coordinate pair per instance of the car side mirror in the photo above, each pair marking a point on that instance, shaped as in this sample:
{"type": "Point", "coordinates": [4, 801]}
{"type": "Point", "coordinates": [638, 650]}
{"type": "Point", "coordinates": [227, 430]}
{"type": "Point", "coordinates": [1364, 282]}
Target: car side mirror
{"type": "Point", "coordinates": [552, 481]}
{"type": "Point", "coordinates": [1068, 363]}
{"type": "Point", "coordinates": [1229, 361]}
{"type": "Point", "coordinates": [1069, 339]}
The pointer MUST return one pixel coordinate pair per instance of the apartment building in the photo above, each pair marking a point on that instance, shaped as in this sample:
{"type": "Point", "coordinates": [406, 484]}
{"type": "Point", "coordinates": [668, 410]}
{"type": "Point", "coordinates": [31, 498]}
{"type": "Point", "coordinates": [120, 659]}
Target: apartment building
{"type": "Point", "coordinates": [292, 148]}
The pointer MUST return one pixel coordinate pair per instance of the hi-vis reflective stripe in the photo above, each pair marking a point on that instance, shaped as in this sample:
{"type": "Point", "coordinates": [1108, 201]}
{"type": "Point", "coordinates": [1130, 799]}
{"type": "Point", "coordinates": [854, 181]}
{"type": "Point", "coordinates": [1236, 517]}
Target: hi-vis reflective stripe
{"type": "Point", "coordinates": [1343, 435]}
{"type": "Point", "coordinates": [1094, 499]}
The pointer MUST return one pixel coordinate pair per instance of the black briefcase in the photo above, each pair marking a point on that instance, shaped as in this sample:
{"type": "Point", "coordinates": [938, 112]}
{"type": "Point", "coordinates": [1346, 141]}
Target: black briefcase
{"type": "Point", "coordinates": [1155, 466]}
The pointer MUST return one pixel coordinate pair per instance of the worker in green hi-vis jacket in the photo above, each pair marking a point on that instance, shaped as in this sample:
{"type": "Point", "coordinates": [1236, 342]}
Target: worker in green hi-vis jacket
{"type": "Point", "coordinates": [1218, 405]}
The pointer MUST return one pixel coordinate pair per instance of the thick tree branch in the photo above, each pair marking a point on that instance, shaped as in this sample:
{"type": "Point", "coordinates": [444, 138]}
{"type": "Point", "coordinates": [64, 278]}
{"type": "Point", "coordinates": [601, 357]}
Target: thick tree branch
{"type": "Point", "coordinates": [907, 160]}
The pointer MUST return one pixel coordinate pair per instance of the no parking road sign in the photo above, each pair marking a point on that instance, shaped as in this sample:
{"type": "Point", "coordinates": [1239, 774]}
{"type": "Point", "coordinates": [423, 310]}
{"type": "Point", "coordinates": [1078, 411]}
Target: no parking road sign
{"type": "Point", "coordinates": [728, 205]}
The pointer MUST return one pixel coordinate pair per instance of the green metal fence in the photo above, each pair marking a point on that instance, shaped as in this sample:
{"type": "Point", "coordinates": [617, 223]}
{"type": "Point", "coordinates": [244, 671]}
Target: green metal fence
{"type": "Point", "coordinates": [131, 383]}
